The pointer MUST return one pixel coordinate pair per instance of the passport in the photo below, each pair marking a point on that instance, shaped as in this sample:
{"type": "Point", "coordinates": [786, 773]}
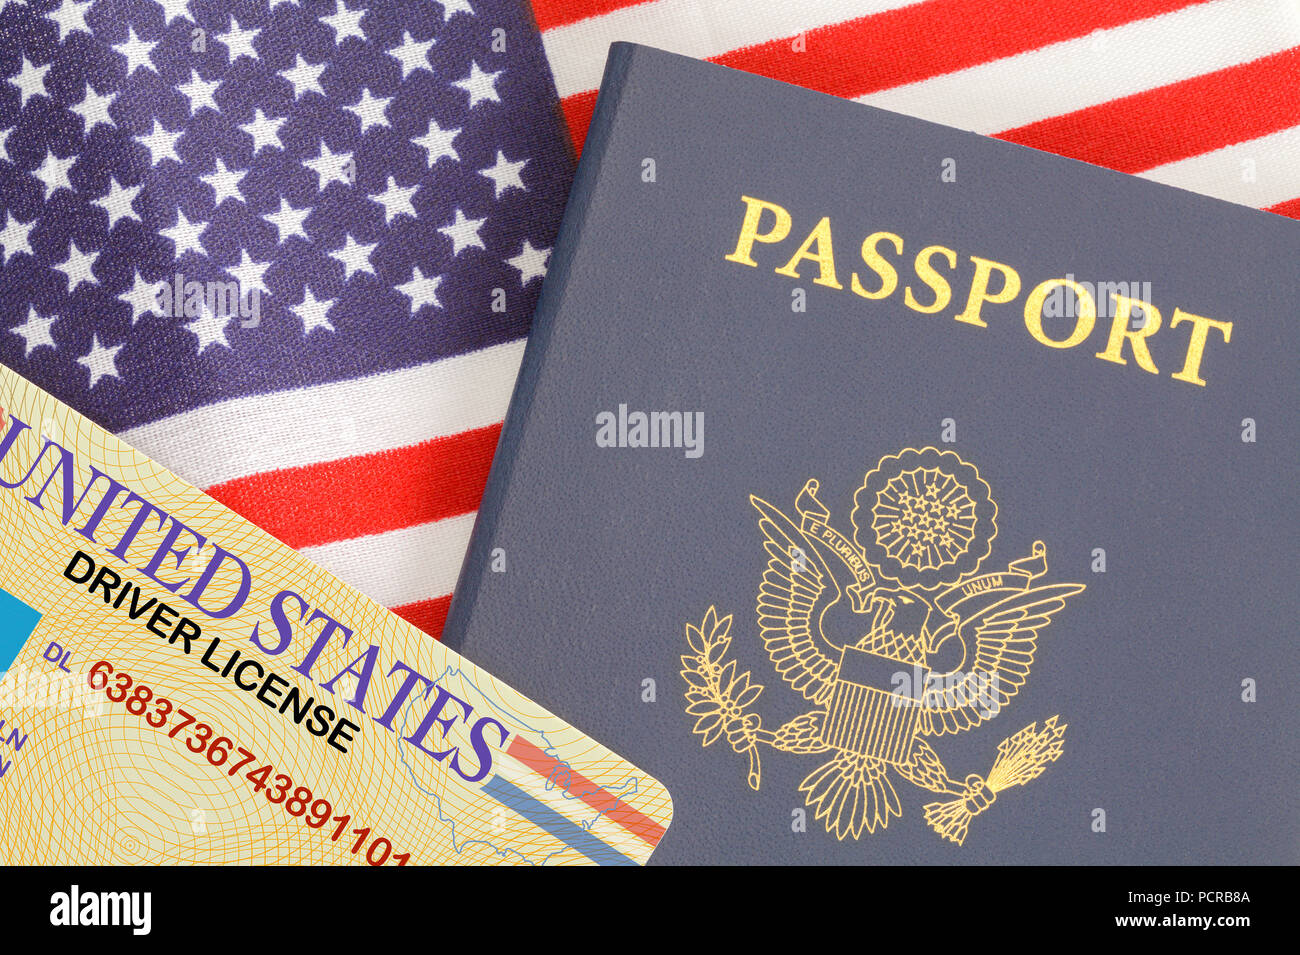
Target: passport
{"type": "Point", "coordinates": [177, 686]}
{"type": "Point", "coordinates": [899, 495]}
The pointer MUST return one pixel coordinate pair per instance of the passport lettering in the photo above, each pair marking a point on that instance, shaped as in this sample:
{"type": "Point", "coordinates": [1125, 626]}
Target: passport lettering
{"type": "Point", "coordinates": [1134, 322]}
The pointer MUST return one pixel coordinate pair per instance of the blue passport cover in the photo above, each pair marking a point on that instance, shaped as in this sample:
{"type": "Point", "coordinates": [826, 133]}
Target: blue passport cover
{"type": "Point", "coordinates": [899, 495]}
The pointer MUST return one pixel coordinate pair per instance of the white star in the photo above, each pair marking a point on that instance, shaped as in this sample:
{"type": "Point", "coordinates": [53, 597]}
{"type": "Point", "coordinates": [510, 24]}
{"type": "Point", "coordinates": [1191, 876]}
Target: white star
{"type": "Point", "coordinates": [117, 202]}
{"type": "Point", "coordinates": [313, 312]}
{"type": "Point", "coordinates": [396, 200]}
{"type": "Point", "coordinates": [265, 132]}
{"type": "Point", "coordinates": [479, 85]}
{"type": "Point", "coordinates": [101, 361]}
{"type": "Point", "coordinates": [4, 139]}
{"type": "Point", "coordinates": [450, 7]}
{"type": "Point", "coordinates": [370, 110]}
{"type": "Point", "coordinates": [276, 3]}
{"type": "Point", "coordinates": [437, 142]}
{"type": "Point", "coordinates": [238, 42]}
{"type": "Point", "coordinates": [136, 52]}
{"type": "Point", "coordinates": [35, 332]}
{"type": "Point", "coordinates": [77, 267]}
{"type": "Point", "coordinates": [70, 16]}
{"type": "Point", "coordinates": [225, 183]}
{"type": "Point", "coordinates": [160, 143]}
{"type": "Point", "coordinates": [185, 235]}
{"type": "Point", "coordinates": [305, 77]}
{"type": "Point", "coordinates": [209, 329]}
{"type": "Point", "coordinates": [421, 291]}
{"type": "Point", "coordinates": [53, 172]}
{"type": "Point", "coordinates": [249, 274]}
{"type": "Point", "coordinates": [15, 236]}
{"type": "Point", "coordinates": [505, 174]}
{"type": "Point", "coordinates": [175, 8]}
{"type": "Point", "coordinates": [288, 221]}
{"type": "Point", "coordinates": [330, 167]}
{"type": "Point", "coordinates": [199, 92]}
{"type": "Point", "coordinates": [355, 257]}
{"type": "Point", "coordinates": [30, 81]}
{"type": "Point", "coordinates": [530, 262]}
{"type": "Point", "coordinates": [413, 56]}
{"type": "Point", "coordinates": [93, 108]}
{"type": "Point", "coordinates": [464, 233]}
{"type": "Point", "coordinates": [345, 23]}
{"type": "Point", "coordinates": [143, 298]}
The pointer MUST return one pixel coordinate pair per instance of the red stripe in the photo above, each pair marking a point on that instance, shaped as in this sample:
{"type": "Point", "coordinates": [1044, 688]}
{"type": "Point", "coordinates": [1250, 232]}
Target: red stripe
{"type": "Point", "coordinates": [557, 13]}
{"type": "Point", "coordinates": [917, 42]}
{"type": "Point", "coordinates": [1191, 117]}
{"type": "Point", "coordinates": [1289, 208]}
{"type": "Point", "coordinates": [929, 39]}
{"type": "Point", "coordinates": [577, 114]}
{"type": "Point", "coordinates": [427, 615]}
{"type": "Point", "coordinates": [548, 767]}
{"type": "Point", "coordinates": [367, 494]}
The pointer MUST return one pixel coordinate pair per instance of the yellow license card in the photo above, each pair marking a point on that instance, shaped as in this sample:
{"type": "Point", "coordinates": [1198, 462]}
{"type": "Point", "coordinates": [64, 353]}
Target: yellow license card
{"type": "Point", "coordinates": [180, 687]}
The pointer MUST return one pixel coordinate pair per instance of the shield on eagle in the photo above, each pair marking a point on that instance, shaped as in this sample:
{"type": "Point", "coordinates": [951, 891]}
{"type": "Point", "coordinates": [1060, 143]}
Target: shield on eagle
{"type": "Point", "coordinates": [895, 637]}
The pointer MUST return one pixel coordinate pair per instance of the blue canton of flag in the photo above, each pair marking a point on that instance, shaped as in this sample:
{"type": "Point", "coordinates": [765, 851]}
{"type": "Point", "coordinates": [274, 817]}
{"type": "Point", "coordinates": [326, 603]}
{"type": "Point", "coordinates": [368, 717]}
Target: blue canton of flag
{"type": "Point", "coordinates": [288, 248]}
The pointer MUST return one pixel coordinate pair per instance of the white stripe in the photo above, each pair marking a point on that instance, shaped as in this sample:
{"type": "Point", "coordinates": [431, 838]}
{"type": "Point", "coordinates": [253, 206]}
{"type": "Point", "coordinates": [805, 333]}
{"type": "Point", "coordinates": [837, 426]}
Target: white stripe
{"type": "Point", "coordinates": [569, 806]}
{"type": "Point", "coordinates": [243, 436]}
{"type": "Point", "coordinates": [1259, 172]}
{"type": "Point", "coordinates": [577, 52]}
{"type": "Point", "coordinates": [400, 567]}
{"type": "Point", "coordinates": [1100, 67]}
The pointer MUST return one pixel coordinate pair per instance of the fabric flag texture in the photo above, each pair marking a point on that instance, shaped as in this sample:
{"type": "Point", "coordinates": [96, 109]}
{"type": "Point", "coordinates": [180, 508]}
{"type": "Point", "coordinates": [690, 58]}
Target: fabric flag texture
{"type": "Point", "coordinates": [1200, 94]}
{"type": "Point", "coordinates": [383, 183]}
{"type": "Point", "coordinates": [380, 185]}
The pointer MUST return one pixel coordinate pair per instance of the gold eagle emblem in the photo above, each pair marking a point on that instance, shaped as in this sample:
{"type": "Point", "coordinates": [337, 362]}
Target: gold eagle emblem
{"type": "Point", "coordinates": [895, 637]}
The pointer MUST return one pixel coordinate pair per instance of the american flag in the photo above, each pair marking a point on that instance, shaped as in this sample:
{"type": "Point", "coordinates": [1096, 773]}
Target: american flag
{"type": "Point", "coordinates": [385, 180]}
{"type": "Point", "coordinates": [1200, 94]}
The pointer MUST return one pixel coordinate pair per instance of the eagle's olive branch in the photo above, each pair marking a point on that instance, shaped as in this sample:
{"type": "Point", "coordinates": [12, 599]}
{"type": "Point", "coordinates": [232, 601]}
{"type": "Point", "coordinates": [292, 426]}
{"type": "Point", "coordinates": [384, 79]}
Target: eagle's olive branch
{"type": "Point", "coordinates": [720, 700]}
